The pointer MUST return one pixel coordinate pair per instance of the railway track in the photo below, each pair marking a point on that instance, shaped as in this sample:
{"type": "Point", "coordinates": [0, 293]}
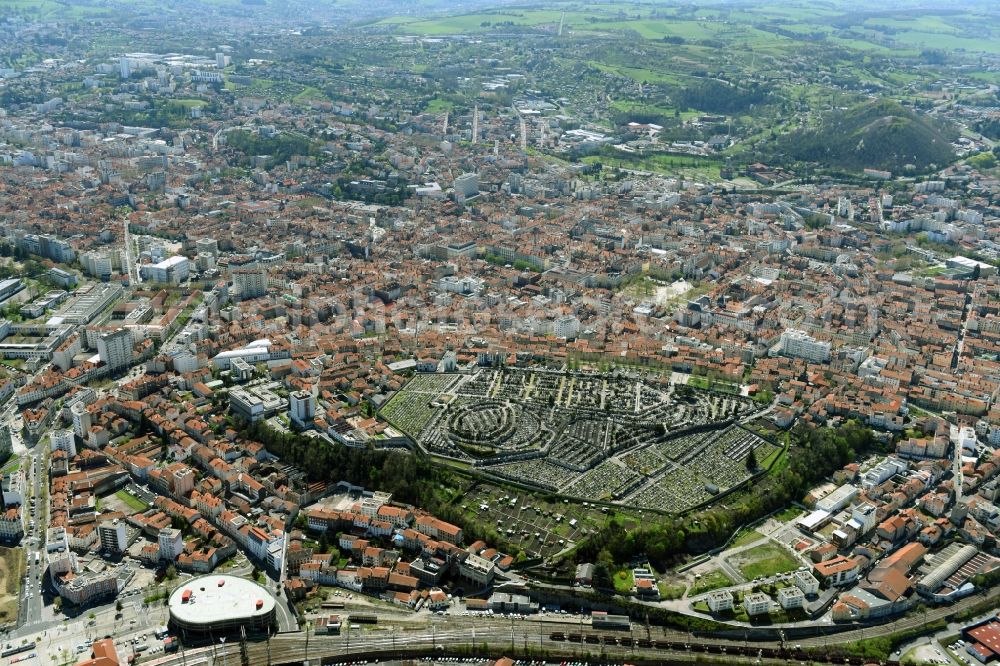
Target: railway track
{"type": "Point", "coordinates": [565, 639]}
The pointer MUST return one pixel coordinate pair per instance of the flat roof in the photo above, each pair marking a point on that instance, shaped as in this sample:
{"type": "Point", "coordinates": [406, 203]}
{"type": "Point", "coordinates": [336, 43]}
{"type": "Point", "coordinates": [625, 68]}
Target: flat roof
{"type": "Point", "coordinates": [209, 602]}
{"type": "Point", "coordinates": [170, 261]}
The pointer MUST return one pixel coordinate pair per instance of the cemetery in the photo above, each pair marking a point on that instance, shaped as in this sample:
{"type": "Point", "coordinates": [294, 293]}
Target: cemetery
{"type": "Point", "coordinates": [605, 437]}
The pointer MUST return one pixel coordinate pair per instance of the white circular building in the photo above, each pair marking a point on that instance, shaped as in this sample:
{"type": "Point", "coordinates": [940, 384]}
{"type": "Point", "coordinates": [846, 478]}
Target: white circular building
{"type": "Point", "coordinates": [220, 604]}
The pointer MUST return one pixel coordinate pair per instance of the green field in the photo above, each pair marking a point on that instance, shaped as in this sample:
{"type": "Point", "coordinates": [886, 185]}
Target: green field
{"type": "Point", "coordinates": [640, 74]}
{"type": "Point", "coordinates": [713, 580]}
{"type": "Point", "coordinates": [665, 163]}
{"type": "Point", "coordinates": [44, 9]}
{"type": "Point", "coordinates": [11, 465]}
{"type": "Point", "coordinates": [669, 592]}
{"type": "Point", "coordinates": [309, 93]}
{"type": "Point", "coordinates": [438, 105]}
{"type": "Point", "coordinates": [745, 537]}
{"type": "Point", "coordinates": [791, 513]}
{"type": "Point", "coordinates": [11, 573]}
{"type": "Point", "coordinates": [623, 581]}
{"type": "Point", "coordinates": [131, 500]}
{"type": "Point", "coordinates": [189, 103]}
{"type": "Point", "coordinates": [766, 560]}
{"type": "Point", "coordinates": [471, 23]}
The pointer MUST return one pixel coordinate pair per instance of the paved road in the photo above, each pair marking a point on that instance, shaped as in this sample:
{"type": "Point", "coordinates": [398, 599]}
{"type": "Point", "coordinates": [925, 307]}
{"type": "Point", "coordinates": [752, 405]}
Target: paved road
{"type": "Point", "coordinates": [36, 518]}
{"type": "Point", "coordinates": [960, 341]}
{"type": "Point", "coordinates": [133, 270]}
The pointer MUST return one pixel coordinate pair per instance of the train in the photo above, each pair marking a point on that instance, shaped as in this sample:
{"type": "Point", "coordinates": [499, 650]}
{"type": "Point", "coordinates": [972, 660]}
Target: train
{"type": "Point", "coordinates": [363, 618]}
{"type": "Point", "coordinates": [18, 649]}
{"type": "Point", "coordinates": [748, 650]}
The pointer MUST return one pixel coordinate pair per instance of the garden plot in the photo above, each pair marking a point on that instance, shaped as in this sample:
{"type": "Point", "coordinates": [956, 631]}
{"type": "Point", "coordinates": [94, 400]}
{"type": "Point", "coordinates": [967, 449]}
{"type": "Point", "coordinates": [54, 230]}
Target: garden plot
{"type": "Point", "coordinates": [531, 523]}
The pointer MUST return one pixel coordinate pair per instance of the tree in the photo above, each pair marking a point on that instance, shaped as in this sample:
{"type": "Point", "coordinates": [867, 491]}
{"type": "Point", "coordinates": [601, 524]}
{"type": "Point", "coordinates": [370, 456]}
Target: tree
{"type": "Point", "coordinates": [118, 605]}
{"type": "Point", "coordinates": [171, 572]}
{"type": "Point", "coordinates": [752, 461]}
{"type": "Point", "coordinates": [602, 577]}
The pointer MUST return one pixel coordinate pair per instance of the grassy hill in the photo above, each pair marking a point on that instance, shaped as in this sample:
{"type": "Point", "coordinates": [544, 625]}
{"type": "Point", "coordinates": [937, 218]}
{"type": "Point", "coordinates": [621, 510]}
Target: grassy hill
{"type": "Point", "coordinates": [880, 134]}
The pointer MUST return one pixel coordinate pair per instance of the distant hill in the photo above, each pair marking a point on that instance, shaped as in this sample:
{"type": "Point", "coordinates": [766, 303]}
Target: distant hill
{"type": "Point", "coordinates": [880, 134]}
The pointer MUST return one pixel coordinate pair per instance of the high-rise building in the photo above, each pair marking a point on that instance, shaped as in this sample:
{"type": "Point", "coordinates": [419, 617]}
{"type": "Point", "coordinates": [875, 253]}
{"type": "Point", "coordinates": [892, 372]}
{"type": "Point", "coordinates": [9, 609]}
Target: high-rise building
{"type": "Point", "coordinates": [115, 348]}
{"type": "Point", "coordinates": [82, 420]}
{"type": "Point", "coordinates": [98, 264]}
{"type": "Point", "coordinates": [250, 282]}
{"type": "Point", "coordinates": [799, 344]}
{"type": "Point", "coordinates": [209, 245]}
{"type": "Point", "coordinates": [183, 481]}
{"type": "Point", "coordinates": [124, 67]}
{"type": "Point", "coordinates": [204, 261]}
{"type": "Point", "coordinates": [467, 185]}
{"type": "Point", "coordinates": [113, 536]}
{"type": "Point", "coordinates": [171, 543]}
{"type": "Point", "coordinates": [63, 440]}
{"type": "Point", "coordinates": [13, 484]}
{"type": "Point", "coordinates": [566, 326]}
{"type": "Point", "coordinates": [302, 408]}
{"type": "Point", "coordinates": [172, 270]}
{"type": "Point", "coordinates": [6, 445]}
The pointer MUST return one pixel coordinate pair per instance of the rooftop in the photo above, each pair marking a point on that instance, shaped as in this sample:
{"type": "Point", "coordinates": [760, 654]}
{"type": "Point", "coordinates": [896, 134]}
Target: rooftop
{"type": "Point", "coordinates": [219, 598]}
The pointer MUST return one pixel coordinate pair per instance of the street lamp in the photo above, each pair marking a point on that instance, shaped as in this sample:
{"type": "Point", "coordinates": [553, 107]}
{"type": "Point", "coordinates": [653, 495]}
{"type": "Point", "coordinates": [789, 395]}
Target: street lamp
{"type": "Point", "coordinates": [222, 641]}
